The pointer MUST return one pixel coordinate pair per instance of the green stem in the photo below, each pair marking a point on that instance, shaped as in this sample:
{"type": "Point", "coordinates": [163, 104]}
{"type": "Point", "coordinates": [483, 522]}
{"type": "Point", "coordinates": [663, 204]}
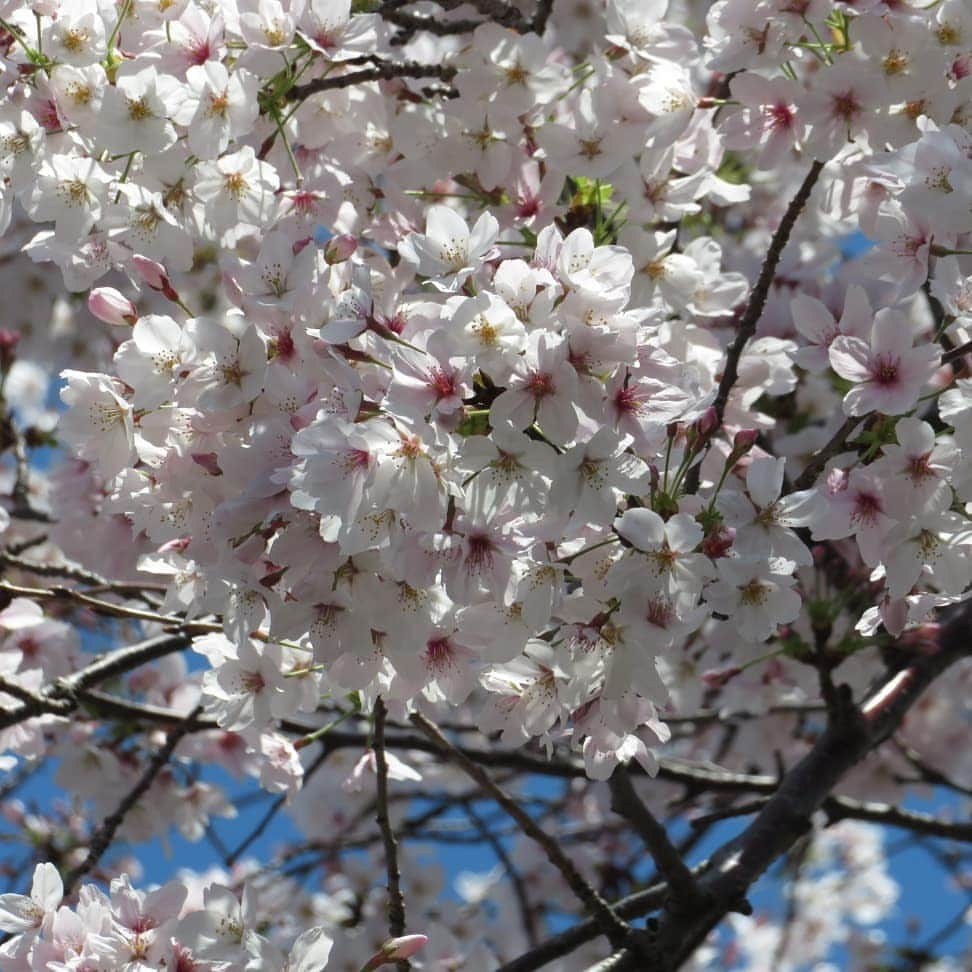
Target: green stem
{"type": "Point", "coordinates": [594, 546]}
{"type": "Point", "coordinates": [275, 115]}
{"type": "Point", "coordinates": [311, 737]}
{"type": "Point", "coordinates": [110, 45]}
{"type": "Point", "coordinates": [125, 171]}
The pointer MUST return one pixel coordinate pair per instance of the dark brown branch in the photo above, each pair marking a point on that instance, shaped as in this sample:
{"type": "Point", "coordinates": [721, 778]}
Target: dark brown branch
{"type": "Point", "coordinates": [542, 15]}
{"type": "Point", "coordinates": [396, 900]}
{"type": "Point", "coordinates": [836, 445]}
{"type": "Point", "coordinates": [928, 773]}
{"type": "Point", "coordinates": [231, 857]}
{"type": "Point", "coordinates": [841, 808]}
{"type": "Point", "coordinates": [626, 802]}
{"type": "Point", "coordinates": [105, 834]}
{"type": "Point", "coordinates": [757, 299]}
{"type": "Point", "coordinates": [76, 572]}
{"type": "Point", "coordinates": [380, 72]}
{"type": "Point", "coordinates": [820, 459]}
{"type": "Point", "coordinates": [959, 352]}
{"type": "Point", "coordinates": [633, 906]}
{"type": "Point", "coordinates": [496, 11]}
{"type": "Point", "coordinates": [725, 813]}
{"type": "Point", "coordinates": [64, 695]}
{"type": "Point", "coordinates": [410, 24]}
{"type": "Point", "coordinates": [611, 925]}
{"type": "Point", "coordinates": [804, 790]}
{"type": "Point", "coordinates": [109, 608]}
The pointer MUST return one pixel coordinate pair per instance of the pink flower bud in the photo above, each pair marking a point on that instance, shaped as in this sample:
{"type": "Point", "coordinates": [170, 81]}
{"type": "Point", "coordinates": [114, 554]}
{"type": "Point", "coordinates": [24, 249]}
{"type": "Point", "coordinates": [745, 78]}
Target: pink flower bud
{"type": "Point", "coordinates": [8, 347]}
{"type": "Point", "coordinates": [340, 248]}
{"type": "Point", "coordinates": [155, 276]}
{"type": "Point", "coordinates": [209, 461]}
{"type": "Point", "coordinates": [716, 678]}
{"type": "Point", "coordinates": [178, 545]}
{"type": "Point", "coordinates": [395, 949]}
{"type": "Point", "coordinates": [404, 947]}
{"type": "Point", "coordinates": [108, 305]}
{"type": "Point", "coordinates": [708, 423]}
{"type": "Point", "coordinates": [744, 440]}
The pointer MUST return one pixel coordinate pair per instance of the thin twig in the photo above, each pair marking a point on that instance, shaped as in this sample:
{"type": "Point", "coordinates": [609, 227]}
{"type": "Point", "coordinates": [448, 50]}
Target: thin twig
{"type": "Point", "coordinates": [615, 928]}
{"type": "Point", "coordinates": [626, 802]}
{"type": "Point", "coordinates": [843, 808]}
{"type": "Point", "coordinates": [527, 915]}
{"type": "Point", "coordinates": [72, 571]}
{"type": "Point", "coordinates": [231, 857]}
{"type": "Point", "coordinates": [757, 299]}
{"type": "Point", "coordinates": [381, 72]}
{"type": "Point", "coordinates": [820, 459]}
{"type": "Point", "coordinates": [105, 834]}
{"type": "Point", "coordinates": [396, 900]}
{"type": "Point", "coordinates": [959, 352]}
{"type": "Point", "coordinates": [725, 813]}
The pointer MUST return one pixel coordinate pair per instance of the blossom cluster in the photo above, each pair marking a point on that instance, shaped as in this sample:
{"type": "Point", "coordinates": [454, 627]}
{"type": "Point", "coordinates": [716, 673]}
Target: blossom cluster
{"type": "Point", "coordinates": [388, 450]}
{"type": "Point", "coordinates": [187, 925]}
{"type": "Point", "coordinates": [461, 367]}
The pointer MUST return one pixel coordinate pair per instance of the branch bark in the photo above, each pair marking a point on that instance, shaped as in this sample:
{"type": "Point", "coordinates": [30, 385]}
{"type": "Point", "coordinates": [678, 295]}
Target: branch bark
{"type": "Point", "coordinates": [396, 900]}
{"type": "Point", "coordinates": [615, 928]}
{"type": "Point", "coordinates": [105, 834]}
{"type": "Point", "coordinates": [805, 789]}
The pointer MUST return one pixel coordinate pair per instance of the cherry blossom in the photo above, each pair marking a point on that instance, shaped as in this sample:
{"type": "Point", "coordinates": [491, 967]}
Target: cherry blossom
{"type": "Point", "coordinates": [454, 397]}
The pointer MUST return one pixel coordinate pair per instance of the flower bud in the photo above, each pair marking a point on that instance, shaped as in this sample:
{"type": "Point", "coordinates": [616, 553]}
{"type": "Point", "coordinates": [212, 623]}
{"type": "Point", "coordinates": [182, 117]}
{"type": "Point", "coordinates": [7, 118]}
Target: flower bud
{"type": "Point", "coordinates": [718, 543]}
{"type": "Point", "coordinates": [154, 275]}
{"type": "Point", "coordinates": [208, 461]}
{"type": "Point", "coordinates": [8, 347]}
{"type": "Point", "coordinates": [743, 441]}
{"type": "Point", "coordinates": [717, 677]}
{"type": "Point", "coordinates": [340, 248]}
{"type": "Point", "coordinates": [707, 423]}
{"type": "Point", "coordinates": [108, 305]}
{"type": "Point", "coordinates": [394, 949]}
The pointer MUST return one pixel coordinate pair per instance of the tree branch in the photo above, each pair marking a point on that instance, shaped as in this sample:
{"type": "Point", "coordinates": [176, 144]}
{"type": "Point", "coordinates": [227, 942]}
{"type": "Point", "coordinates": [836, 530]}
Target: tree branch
{"type": "Point", "coordinates": [105, 834]}
{"type": "Point", "coordinates": [757, 299]}
{"type": "Point", "coordinates": [396, 900]}
{"type": "Point", "coordinates": [625, 801]}
{"type": "Point", "coordinates": [380, 72]}
{"type": "Point", "coordinates": [611, 925]}
{"type": "Point", "coordinates": [805, 789]}
{"type": "Point", "coordinates": [527, 916]}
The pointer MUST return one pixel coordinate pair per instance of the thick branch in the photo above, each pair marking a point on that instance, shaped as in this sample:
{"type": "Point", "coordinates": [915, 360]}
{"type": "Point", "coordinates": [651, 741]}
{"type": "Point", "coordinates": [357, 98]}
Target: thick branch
{"type": "Point", "coordinates": [634, 906]}
{"type": "Point", "coordinates": [804, 790]}
{"type": "Point", "coordinates": [64, 696]}
{"type": "Point", "coordinates": [542, 15]}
